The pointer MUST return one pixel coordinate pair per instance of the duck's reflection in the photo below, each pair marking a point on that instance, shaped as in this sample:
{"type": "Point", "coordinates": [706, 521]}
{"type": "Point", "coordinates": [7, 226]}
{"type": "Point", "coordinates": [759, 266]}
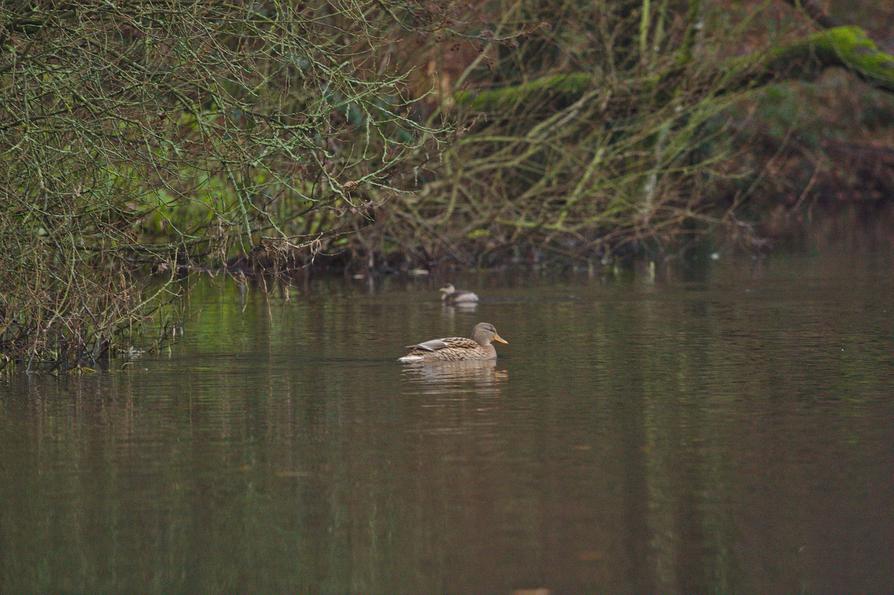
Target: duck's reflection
{"type": "Point", "coordinates": [461, 308]}
{"type": "Point", "coordinates": [445, 377]}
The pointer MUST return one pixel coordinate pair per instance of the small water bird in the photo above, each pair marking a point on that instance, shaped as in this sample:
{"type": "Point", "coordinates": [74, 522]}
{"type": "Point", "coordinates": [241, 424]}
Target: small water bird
{"type": "Point", "coordinates": [453, 349]}
{"type": "Point", "coordinates": [452, 295]}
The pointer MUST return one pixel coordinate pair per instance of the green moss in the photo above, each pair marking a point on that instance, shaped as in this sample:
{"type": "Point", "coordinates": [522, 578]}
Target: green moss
{"type": "Point", "coordinates": [493, 99]}
{"type": "Point", "coordinates": [848, 47]}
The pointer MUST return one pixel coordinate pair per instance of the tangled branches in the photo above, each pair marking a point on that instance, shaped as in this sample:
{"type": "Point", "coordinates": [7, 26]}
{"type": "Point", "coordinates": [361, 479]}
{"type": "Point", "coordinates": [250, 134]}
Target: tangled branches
{"type": "Point", "coordinates": [134, 133]}
{"type": "Point", "coordinates": [581, 139]}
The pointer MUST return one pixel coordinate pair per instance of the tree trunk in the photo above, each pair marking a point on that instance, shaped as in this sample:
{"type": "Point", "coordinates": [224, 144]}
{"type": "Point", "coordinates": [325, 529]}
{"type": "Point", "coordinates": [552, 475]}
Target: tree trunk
{"type": "Point", "coordinates": [805, 59]}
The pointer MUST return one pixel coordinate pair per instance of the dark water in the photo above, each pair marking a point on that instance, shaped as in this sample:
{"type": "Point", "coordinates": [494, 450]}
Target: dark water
{"type": "Point", "coordinates": [725, 429]}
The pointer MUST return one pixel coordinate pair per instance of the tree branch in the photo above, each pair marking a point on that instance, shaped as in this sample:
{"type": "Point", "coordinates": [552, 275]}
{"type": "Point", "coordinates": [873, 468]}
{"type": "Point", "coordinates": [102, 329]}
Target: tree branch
{"type": "Point", "coordinates": [845, 47]}
{"type": "Point", "coordinates": [815, 12]}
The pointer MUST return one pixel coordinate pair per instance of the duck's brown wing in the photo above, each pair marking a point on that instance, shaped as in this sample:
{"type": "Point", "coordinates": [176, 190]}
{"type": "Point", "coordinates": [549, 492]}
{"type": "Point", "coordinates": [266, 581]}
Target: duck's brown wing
{"type": "Point", "coordinates": [446, 342]}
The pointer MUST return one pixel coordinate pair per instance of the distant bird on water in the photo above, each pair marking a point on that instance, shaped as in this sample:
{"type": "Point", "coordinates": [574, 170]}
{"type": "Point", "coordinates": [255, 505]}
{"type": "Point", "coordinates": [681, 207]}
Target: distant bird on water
{"type": "Point", "coordinates": [452, 295]}
{"type": "Point", "coordinates": [454, 349]}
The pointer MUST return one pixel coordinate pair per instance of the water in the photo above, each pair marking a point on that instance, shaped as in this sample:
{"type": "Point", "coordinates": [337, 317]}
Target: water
{"type": "Point", "coordinates": [725, 428]}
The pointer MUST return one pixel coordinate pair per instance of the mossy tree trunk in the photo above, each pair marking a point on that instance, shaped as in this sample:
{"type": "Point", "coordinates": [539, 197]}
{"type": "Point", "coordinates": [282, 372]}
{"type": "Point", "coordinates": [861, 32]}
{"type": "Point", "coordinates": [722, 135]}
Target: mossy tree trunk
{"type": "Point", "coordinates": [846, 47]}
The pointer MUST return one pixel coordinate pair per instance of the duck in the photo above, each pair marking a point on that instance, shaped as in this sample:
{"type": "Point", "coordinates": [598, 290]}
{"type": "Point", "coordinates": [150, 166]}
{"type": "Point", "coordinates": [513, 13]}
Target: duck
{"type": "Point", "coordinates": [454, 349]}
{"type": "Point", "coordinates": [452, 295]}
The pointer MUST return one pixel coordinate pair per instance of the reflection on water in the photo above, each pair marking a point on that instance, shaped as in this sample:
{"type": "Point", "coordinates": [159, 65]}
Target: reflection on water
{"type": "Point", "coordinates": [459, 311]}
{"type": "Point", "coordinates": [451, 309]}
{"type": "Point", "coordinates": [481, 377]}
{"type": "Point", "coordinates": [715, 430]}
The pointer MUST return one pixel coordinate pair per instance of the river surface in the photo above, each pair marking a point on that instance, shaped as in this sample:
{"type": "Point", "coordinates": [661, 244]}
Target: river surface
{"type": "Point", "coordinates": [727, 427]}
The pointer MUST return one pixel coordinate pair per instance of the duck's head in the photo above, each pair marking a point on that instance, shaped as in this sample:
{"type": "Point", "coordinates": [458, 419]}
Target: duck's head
{"type": "Point", "coordinates": [447, 290]}
{"type": "Point", "coordinates": [484, 333]}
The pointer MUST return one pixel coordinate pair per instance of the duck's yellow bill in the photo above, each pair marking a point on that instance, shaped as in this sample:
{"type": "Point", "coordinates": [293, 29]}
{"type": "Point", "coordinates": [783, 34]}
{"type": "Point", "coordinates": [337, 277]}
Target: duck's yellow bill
{"type": "Point", "coordinates": [500, 339]}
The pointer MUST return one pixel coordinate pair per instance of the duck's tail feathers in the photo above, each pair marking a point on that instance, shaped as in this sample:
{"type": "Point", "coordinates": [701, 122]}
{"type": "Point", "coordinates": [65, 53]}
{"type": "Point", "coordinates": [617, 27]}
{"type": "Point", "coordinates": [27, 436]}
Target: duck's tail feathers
{"type": "Point", "coordinates": [407, 359]}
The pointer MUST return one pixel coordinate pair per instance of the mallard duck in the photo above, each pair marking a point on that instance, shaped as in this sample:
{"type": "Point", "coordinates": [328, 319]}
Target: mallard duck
{"type": "Point", "coordinates": [452, 295]}
{"type": "Point", "coordinates": [453, 349]}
